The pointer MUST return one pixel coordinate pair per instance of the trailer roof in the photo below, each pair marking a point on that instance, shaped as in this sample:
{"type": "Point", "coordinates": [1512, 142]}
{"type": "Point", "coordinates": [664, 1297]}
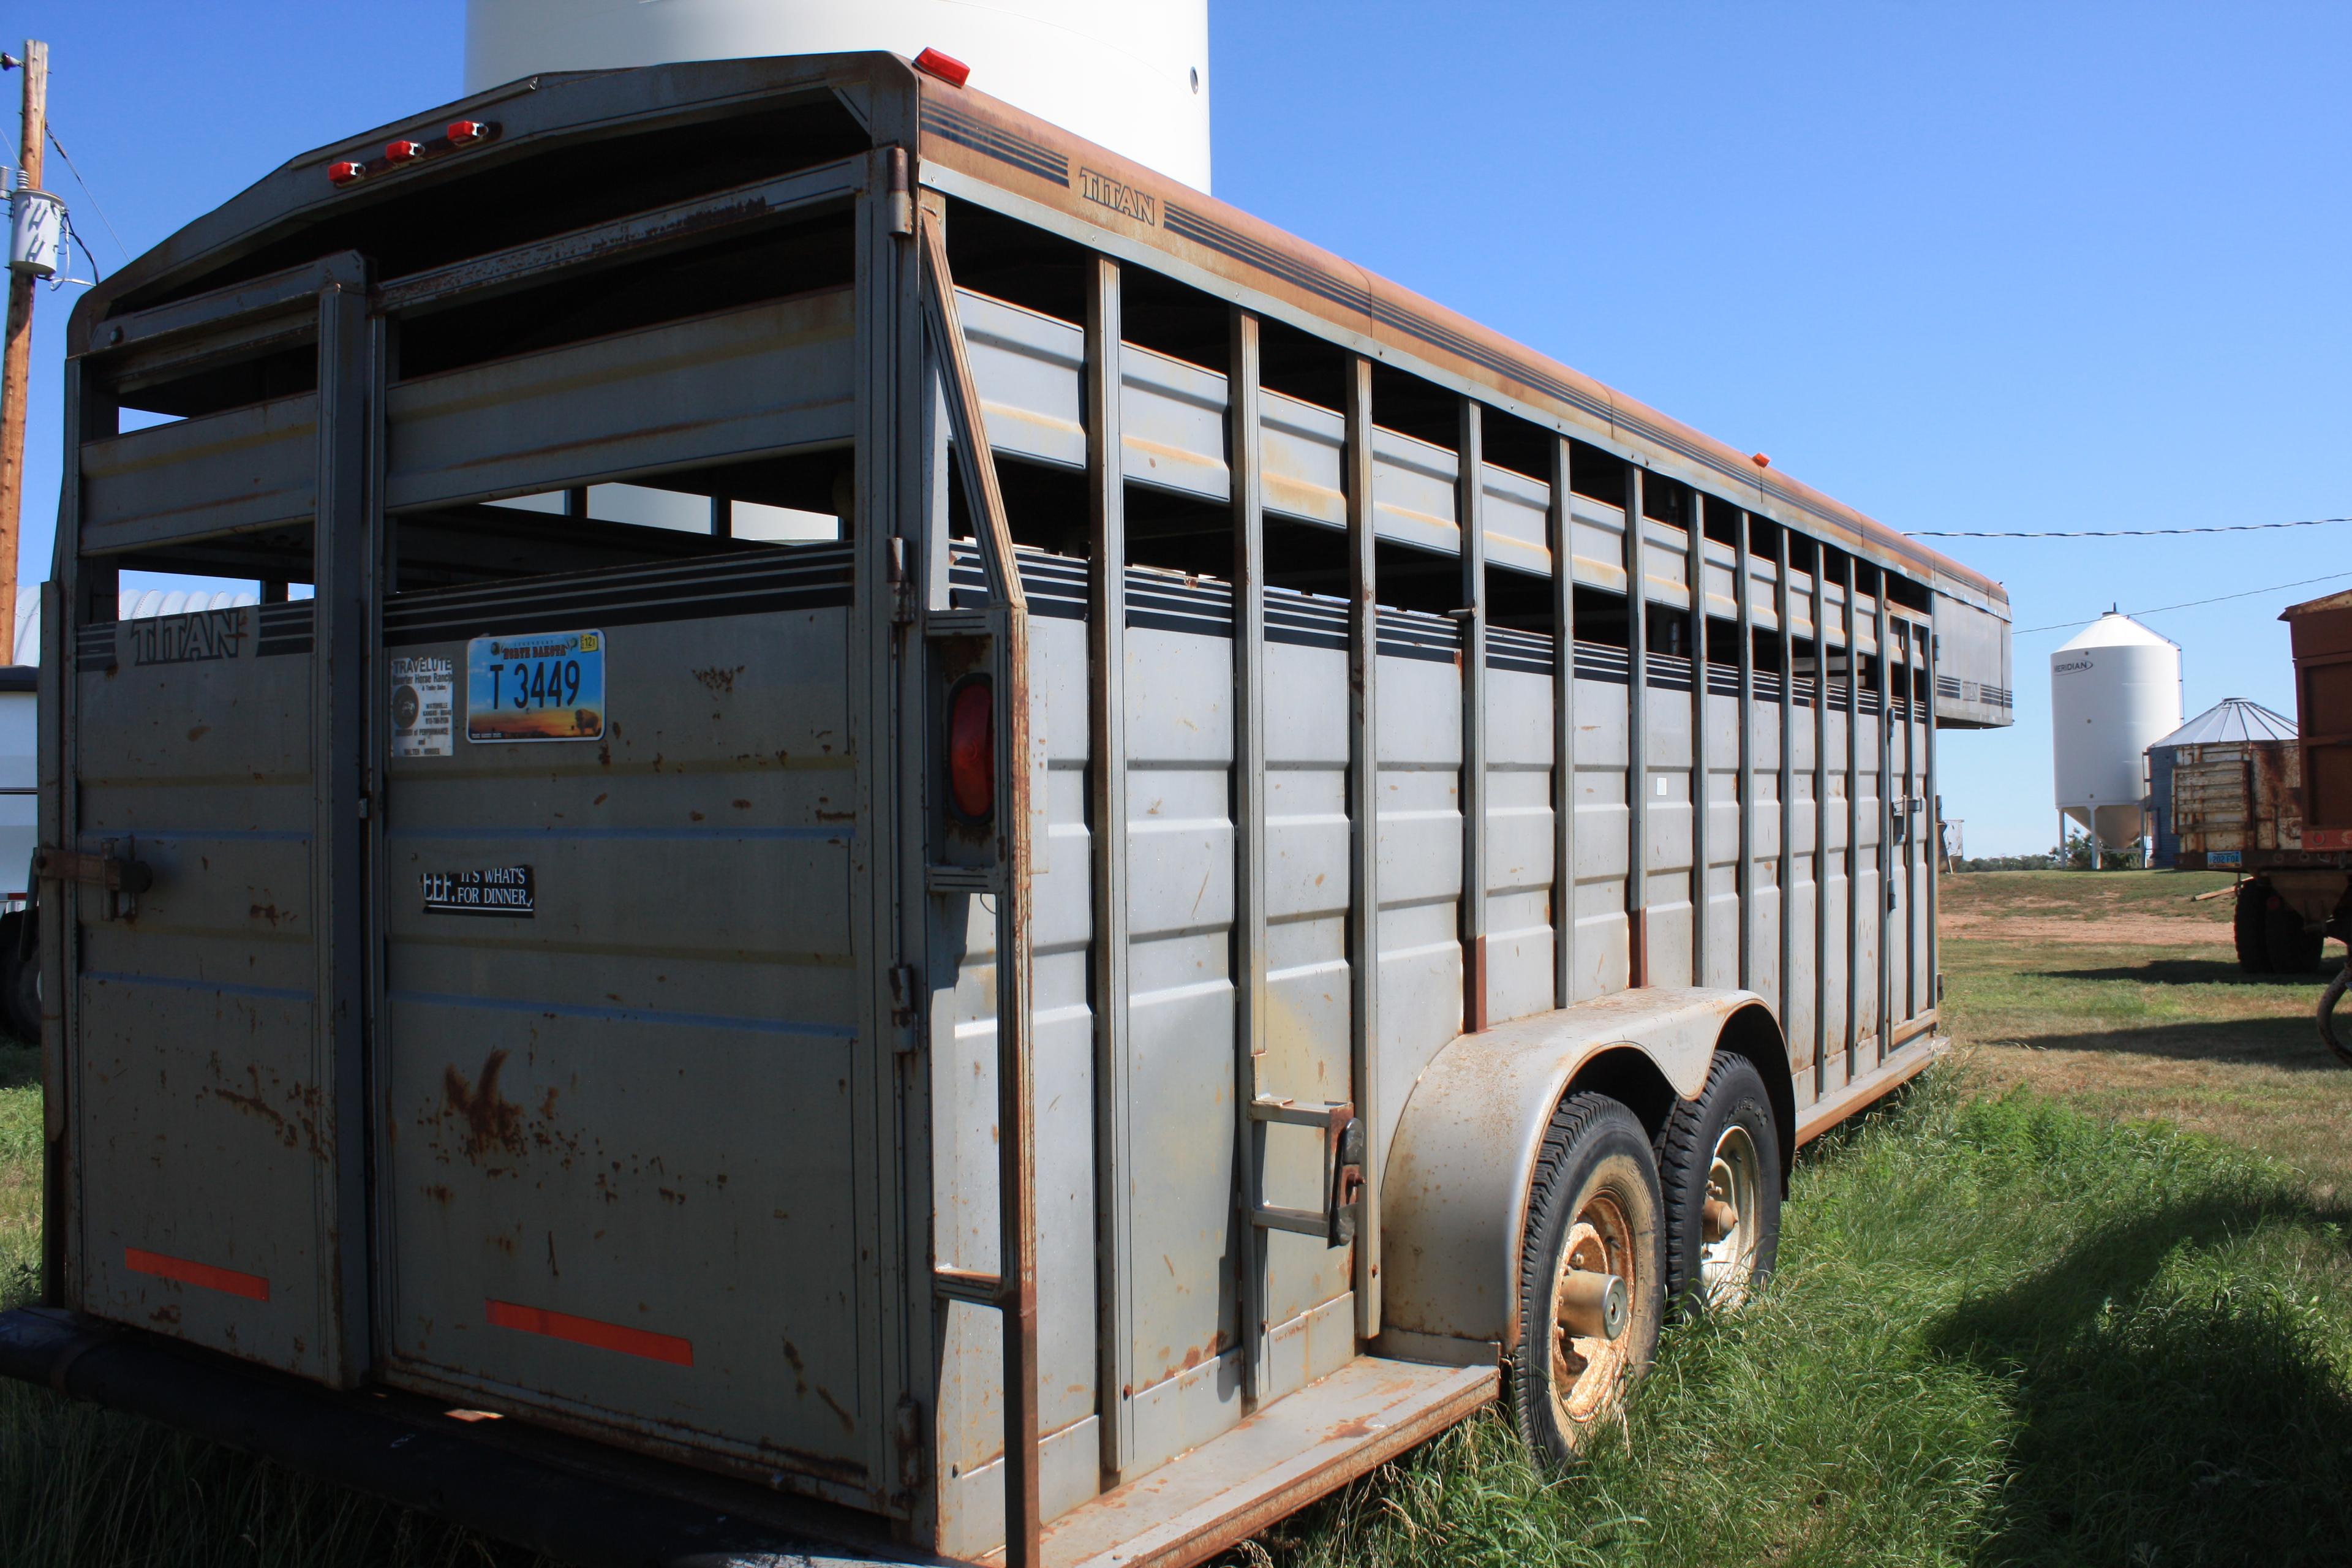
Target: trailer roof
{"type": "Point", "coordinates": [970, 145]}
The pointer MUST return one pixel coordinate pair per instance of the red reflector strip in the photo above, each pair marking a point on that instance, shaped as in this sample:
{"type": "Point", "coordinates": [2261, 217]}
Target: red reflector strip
{"type": "Point", "coordinates": [228, 1281]}
{"type": "Point", "coordinates": [602, 1336]}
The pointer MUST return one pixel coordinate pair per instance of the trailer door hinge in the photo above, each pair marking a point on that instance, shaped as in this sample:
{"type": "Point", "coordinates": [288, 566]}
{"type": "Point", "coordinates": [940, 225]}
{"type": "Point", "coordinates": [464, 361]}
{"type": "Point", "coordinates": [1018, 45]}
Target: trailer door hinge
{"type": "Point", "coordinates": [902, 582]}
{"type": "Point", "coordinates": [905, 1038]}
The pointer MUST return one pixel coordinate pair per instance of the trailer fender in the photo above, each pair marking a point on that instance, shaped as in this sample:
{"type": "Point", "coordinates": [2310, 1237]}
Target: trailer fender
{"type": "Point", "coordinates": [1455, 1183]}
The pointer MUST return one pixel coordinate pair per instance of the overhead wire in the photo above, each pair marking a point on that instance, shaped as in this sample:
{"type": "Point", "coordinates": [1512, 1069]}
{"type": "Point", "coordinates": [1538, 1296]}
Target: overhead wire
{"type": "Point", "coordinates": [2189, 603]}
{"type": "Point", "coordinates": [95, 206]}
{"type": "Point", "coordinates": [2123, 532]}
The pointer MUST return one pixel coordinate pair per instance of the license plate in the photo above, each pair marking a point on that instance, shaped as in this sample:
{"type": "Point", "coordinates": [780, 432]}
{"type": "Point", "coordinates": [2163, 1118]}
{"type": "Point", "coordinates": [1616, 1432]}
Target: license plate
{"type": "Point", "coordinates": [546, 687]}
{"type": "Point", "coordinates": [2221, 856]}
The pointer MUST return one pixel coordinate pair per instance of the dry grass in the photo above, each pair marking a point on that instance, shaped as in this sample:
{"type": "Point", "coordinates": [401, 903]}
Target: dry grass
{"type": "Point", "coordinates": [2120, 995]}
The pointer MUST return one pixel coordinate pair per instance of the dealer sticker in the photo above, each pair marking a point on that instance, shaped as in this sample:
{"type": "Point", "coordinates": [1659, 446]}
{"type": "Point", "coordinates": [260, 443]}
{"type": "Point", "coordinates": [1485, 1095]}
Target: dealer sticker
{"type": "Point", "coordinates": [424, 717]}
{"type": "Point", "coordinates": [548, 687]}
{"type": "Point", "coordinates": [492, 891]}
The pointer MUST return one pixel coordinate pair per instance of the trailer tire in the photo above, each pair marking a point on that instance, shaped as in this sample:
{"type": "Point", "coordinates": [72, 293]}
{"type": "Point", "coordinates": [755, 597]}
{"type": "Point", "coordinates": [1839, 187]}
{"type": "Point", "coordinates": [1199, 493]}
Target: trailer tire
{"type": "Point", "coordinates": [1594, 1201]}
{"type": "Point", "coordinates": [2294, 948]}
{"type": "Point", "coordinates": [20, 982]}
{"type": "Point", "coordinates": [2250, 928]}
{"type": "Point", "coordinates": [1722, 1148]}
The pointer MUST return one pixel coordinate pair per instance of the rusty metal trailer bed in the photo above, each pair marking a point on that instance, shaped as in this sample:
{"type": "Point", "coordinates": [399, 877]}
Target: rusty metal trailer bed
{"type": "Point", "coordinates": [952, 834]}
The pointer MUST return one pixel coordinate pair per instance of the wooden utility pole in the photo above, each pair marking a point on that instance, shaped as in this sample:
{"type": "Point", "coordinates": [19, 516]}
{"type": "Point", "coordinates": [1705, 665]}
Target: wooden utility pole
{"type": "Point", "coordinates": [16, 368]}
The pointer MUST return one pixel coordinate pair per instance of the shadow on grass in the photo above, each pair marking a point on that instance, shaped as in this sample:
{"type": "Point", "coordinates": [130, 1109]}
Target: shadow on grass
{"type": "Point", "coordinates": [2290, 1044]}
{"type": "Point", "coordinates": [2170, 1412]}
{"type": "Point", "coordinates": [2198, 972]}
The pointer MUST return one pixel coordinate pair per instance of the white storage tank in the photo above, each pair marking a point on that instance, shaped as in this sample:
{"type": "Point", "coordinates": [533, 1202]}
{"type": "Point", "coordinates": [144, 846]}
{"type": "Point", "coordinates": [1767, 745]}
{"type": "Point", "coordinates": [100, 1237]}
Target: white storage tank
{"type": "Point", "coordinates": [2114, 691]}
{"type": "Point", "coordinates": [1132, 76]}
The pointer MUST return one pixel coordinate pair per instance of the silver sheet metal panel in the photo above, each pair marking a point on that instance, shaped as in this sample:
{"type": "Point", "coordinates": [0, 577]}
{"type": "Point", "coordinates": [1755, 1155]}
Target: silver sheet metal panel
{"type": "Point", "coordinates": [639, 882]}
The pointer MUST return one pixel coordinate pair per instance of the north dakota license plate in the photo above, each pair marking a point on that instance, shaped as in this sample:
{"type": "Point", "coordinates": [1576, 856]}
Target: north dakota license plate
{"type": "Point", "coordinates": [545, 687]}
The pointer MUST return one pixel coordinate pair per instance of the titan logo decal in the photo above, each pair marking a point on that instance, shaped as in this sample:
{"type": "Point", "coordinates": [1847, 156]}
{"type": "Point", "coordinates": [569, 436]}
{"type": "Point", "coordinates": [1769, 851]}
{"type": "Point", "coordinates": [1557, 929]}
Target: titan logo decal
{"type": "Point", "coordinates": [1141, 205]}
{"type": "Point", "coordinates": [188, 639]}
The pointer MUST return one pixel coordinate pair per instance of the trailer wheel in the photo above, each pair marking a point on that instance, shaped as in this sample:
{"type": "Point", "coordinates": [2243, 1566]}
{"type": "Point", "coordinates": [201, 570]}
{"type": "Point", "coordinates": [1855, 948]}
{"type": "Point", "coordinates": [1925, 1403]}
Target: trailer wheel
{"type": "Point", "coordinates": [1591, 1276]}
{"type": "Point", "coordinates": [1719, 1168]}
{"type": "Point", "coordinates": [2250, 927]}
{"type": "Point", "coordinates": [2294, 948]}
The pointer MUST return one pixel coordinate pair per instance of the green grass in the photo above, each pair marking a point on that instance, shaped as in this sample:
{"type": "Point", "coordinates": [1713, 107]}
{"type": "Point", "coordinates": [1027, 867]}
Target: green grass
{"type": "Point", "coordinates": [2003, 1332]}
{"type": "Point", "coordinates": [2082, 1297]}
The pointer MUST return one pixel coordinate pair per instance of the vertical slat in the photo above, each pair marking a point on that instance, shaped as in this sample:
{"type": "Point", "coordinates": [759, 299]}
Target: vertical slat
{"type": "Point", "coordinates": [78, 589]}
{"type": "Point", "coordinates": [1363, 805]}
{"type": "Point", "coordinates": [1821, 819]}
{"type": "Point", "coordinates": [1745, 876]}
{"type": "Point", "coordinates": [1016, 1143]}
{"type": "Point", "coordinates": [1853, 818]}
{"type": "Point", "coordinates": [1563, 727]}
{"type": "Point", "coordinates": [1637, 740]}
{"type": "Point", "coordinates": [1701, 752]}
{"type": "Point", "coordinates": [1934, 826]}
{"type": "Point", "coordinates": [1781, 611]}
{"type": "Point", "coordinates": [1245, 459]}
{"type": "Point", "coordinates": [1469, 486]}
{"type": "Point", "coordinates": [1106, 785]}
{"type": "Point", "coordinates": [344, 555]}
{"type": "Point", "coordinates": [886, 416]}
{"type": "Point", "coordinates": [1885, 891]}
{"type": "Point", "coordinates": [1916, 822]}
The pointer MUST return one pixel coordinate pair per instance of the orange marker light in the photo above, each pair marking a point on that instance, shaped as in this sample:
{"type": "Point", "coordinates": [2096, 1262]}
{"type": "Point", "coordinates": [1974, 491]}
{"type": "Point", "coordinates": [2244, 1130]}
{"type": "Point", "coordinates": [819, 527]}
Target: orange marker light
{"type": "Point", "coordinates": [403, 150]}
{"type": "Point", "coordinates": [344, 172]}
{"type": "Point", "coordinates": [462, 132]}
{"type": "Point", "coordinates": [947, 67]}
{"type": "Point", "coordinates": [1760, 460]}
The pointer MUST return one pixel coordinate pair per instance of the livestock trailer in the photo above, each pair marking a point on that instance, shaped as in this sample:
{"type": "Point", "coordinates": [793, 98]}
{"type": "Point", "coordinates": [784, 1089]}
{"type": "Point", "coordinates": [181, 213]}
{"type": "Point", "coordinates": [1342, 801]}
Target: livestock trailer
{"type": "Point", "coordinates": [951, 833]}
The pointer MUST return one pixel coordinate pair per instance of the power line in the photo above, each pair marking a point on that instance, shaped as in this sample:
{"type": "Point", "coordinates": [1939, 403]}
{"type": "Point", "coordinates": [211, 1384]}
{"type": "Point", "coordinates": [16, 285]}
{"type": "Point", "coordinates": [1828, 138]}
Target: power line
{"type": "Point", "coordinates": [2189, 604]}
{"type": "Point", "coordinates": [91, 194]}
{"type": "Point", "coordinates": [2128, 532]}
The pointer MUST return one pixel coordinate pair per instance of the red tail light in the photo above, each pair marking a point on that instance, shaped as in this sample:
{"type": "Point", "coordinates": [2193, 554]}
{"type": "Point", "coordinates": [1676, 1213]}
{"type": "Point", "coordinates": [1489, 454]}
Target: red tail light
{"type": "Point", "coordinates": [972, 750]}
{"type": "Point", "coordinates": [344, 172]}
{"type": "Point", "coordinates": [947, 67]}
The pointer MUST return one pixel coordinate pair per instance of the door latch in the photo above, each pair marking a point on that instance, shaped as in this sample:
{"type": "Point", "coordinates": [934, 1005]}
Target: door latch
{"type": "Point", "coordinates": [121, 877]}
{"type": "Point", "coordinates": [1347, 1179]}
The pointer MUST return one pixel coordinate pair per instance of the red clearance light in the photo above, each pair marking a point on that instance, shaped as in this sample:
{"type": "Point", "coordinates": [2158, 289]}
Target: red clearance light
{"type": "Point", "coordinates": [344, 172]}
{"type": "Point", "coordinates": [462, 132]}
{"type": "Point", "coordinates": [972, 750]}
{"type": "Point", "coordinates": [402, 151]}
{"type": "Point", "coordinates": [947, 67]}
{"type": "Point", "coordinates": [1760, 460]}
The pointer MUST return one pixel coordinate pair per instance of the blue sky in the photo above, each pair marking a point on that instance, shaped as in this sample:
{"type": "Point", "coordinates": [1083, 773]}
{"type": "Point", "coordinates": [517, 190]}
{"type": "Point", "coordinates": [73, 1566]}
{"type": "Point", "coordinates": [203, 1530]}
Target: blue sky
{"type": "Point", "coordinates": [1982, 265]}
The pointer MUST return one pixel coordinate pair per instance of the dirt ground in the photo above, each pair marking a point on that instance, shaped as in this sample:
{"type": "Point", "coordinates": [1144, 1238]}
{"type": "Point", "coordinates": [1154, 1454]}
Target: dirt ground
{"type": "Point", "coordinates": [2119, 992]}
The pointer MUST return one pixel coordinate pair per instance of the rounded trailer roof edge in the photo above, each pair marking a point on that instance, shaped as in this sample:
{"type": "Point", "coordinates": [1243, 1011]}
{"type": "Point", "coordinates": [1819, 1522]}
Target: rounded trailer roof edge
{"type": "Point", "coordinates": [966, 129]}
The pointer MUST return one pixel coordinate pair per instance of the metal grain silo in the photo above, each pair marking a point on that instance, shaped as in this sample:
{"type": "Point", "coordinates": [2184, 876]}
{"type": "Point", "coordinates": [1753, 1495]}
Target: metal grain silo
{"type": "Point", "coordinates": [2114, 691]}
{"type": "Point", "coordinates": [1133, 77]}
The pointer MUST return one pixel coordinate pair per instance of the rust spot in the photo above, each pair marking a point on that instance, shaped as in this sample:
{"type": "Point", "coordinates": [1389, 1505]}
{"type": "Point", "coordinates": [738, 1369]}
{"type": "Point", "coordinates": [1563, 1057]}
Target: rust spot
{"type": "Point", "coordinates": [718, 679]}
{"type": "Point", "coordinates": [490, 1121]}
{"type": "Point", "coordinates": [264, 912]}
{"type": "Point", "coordinates": [200, 731]}
{"type": "Point", "coordinates": [1356, 1428]}
{"type": "Point", "coordinates": [836, 817]}
{"type": "Point", "coordinates": [800, 1372]}
{"type": "Point", "coordinates": [598, 801]}
{"type": "Point", "coordinates": [168, 1314]}
{"type": "Point", "coordinates": [439, 1194]}
{"type": "Point", "coordinates": [695, 815]}
{"type": "Point", "coordinates": [742, 806]}
{"type": "Point", "coordinates": [835, 1405]}
{"type": "Point", "coordinates": [547, 1106]}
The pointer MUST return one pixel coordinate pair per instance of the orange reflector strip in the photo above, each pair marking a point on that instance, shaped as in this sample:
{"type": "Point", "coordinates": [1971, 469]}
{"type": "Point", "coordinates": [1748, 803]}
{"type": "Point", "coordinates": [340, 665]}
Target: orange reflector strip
{"type": "Point", "coordinates": [589, 1332]}
{"type": "Point", "coordinates": [228, 1281]}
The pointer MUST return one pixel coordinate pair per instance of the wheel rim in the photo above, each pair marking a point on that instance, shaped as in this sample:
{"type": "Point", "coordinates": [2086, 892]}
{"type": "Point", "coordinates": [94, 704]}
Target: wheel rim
{"type": "Point", "coordinates": [1734, 1182]}
{"type": "Point", "coordinates": [1588, 1370]}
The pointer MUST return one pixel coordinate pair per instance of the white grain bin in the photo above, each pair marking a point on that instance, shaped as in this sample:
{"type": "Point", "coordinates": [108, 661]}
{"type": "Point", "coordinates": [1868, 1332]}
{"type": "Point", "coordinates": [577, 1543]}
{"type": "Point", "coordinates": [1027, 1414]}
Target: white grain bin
{"type": "Point", "coordinates": [2114, 691]}
{"type": "Point", "coordinates": [1133, 76]}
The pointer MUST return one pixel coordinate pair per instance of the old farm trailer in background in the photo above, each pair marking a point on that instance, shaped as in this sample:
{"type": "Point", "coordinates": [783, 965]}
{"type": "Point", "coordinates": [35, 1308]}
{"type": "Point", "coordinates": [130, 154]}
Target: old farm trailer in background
{"type": "Point", "coordinates": [954, 835]}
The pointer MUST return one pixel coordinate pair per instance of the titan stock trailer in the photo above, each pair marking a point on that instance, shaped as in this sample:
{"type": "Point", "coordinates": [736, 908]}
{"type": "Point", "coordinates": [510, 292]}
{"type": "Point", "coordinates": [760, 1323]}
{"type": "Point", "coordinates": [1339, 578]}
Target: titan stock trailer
{"type": "Point", "coordinates": [959, 853]}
